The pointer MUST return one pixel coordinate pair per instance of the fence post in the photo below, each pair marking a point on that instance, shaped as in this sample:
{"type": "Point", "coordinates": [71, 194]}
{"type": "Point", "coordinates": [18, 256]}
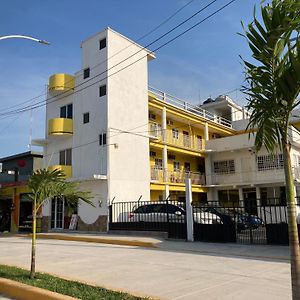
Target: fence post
{"type": "Point", "coordinates": [189, 210]}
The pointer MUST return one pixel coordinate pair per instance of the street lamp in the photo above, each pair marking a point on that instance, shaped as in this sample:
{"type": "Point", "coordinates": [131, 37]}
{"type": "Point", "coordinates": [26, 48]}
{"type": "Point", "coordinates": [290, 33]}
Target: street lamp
{"type": "Point", "coordinates": [24, 37]}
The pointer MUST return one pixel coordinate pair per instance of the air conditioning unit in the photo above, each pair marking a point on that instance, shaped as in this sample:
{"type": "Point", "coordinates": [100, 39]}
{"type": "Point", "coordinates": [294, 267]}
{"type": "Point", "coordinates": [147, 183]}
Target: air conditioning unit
{"type": "Point", "coordinates": [152, 153]}
{"type": "Point", "coordinates": [169, 122]}
{"type": "Point", "coordinates": [152, 116]}
{"type": "Point", "coordinates": [171, 157]}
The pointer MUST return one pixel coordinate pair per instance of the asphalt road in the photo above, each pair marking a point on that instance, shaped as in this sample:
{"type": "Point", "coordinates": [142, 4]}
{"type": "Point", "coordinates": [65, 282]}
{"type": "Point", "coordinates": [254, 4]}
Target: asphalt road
{"type": "Point", "coordinates": [164, 274]}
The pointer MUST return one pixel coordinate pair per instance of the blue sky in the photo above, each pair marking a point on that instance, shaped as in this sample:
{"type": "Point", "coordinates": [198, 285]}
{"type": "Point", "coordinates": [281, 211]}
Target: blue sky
{"type": "Point", "coordinates": [204, 62]}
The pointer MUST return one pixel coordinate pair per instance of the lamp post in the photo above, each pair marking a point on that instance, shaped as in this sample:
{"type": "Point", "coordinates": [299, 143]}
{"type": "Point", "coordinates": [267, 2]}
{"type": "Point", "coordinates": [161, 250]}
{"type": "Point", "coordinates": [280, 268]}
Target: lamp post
{"type": "Point", "coordinates": [4, 37]}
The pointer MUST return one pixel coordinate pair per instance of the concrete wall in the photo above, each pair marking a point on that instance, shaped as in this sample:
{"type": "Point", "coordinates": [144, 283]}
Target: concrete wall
{"type": "Point", "coordinates": [129, 172]}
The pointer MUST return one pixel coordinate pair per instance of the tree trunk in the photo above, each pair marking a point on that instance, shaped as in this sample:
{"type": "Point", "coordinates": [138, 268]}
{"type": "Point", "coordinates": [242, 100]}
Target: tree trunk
{"type": "Point", "coordinates": [33, 241]}
{"type": "Point", "coordinates": [292, 222]}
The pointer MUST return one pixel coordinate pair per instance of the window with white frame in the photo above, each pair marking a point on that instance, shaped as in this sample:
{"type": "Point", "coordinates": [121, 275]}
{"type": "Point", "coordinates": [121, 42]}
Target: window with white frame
{"type": "Point", "coordinates": [158, 163]}
{"type": "Point", "coordinates": [65, 157]}
{"type": "Point", "coordinates": [176, 166]}
{"type": "Point", "coordinates": [224, 167]}
{"type": "Point", "coordinates": [175, 133]}
{"type": "Point", "coordinates": [269, 162]}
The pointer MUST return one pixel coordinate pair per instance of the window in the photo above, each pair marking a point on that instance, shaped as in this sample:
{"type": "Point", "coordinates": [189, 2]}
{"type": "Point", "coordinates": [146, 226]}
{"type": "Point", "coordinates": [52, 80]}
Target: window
{"type": "Point", "coordinates": [224, 167]}
{"type": "Point", "coordinates": [176, 166]}
{"type": "Point", "coordinates": [158, 163]}
{"type": "Point", "coordinates": [102, 139]}
{"type": "Point", "coordinates": [65, 157]}
{"type": "Point", "coordinates": [86, 73]}
{"type": "Point", "coordinates": [269, 162]}
{"type": "Point", "coordinates": [67, 111]}
{"type": "Point", "coordinates": [102, 44]}
{"type": "Point", "coordinates": [187, 167]}
{"type": "Point", "coordinates": [102, 90]}
{"type": "Point", "coordinates": [175, 134]}
{"type": "Point", "coordinates": [86, 118]}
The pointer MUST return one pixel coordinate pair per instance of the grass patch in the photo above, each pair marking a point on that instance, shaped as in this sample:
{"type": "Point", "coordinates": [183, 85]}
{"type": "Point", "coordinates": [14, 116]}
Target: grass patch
{"type": "Point", "coordinates": [62, 286]}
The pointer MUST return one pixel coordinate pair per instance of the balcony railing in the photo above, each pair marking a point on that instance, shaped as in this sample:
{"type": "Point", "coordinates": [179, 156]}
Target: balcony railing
{"type": "Point", "coordinates": [178, 103]}
{"type": "Point", "coordinates": [60, 126]}
{"type": "Point", "coordinates": [175, 138]}
{"type": "Point", "coordinates": [177, 176]}
{"type": "Point", "coordinates": [66, 169]}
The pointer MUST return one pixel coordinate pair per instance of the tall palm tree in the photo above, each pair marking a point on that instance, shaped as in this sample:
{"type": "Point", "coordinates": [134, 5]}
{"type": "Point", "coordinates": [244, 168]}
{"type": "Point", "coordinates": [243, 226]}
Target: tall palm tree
{"type": "Point", "coordinates": [44, 186]}
{"type": "Point", "coordinates": [272, 86]}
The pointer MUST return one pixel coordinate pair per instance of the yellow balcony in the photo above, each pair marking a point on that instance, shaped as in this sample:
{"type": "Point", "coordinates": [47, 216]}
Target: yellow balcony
{"type": "Point", "coordinates": [60, 126]}
{"type": "Point", "coordinates": [66, 169]}
{"type": "Point", "coordinates": [61, 83]}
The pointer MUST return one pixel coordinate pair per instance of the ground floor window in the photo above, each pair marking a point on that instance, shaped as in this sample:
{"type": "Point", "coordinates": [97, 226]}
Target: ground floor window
{"type": "Point", "coordinates": [271, 196]}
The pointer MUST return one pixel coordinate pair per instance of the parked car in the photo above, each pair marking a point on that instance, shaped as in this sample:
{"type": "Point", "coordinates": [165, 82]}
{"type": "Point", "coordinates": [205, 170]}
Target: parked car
{"type": "Point", "coordinates": [230, 216]}
{"type": "Point", "coordinates": [162, 212]}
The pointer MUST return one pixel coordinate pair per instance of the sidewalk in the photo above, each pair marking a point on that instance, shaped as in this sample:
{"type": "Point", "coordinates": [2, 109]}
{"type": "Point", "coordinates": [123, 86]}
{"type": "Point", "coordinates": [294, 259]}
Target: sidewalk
{"type": "Point", "coordinates": [264, 252]}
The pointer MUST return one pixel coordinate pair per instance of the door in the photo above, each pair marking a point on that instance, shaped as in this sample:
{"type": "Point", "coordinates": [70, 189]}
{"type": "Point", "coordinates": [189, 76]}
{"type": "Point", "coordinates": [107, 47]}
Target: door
{"type": "Point", "coordinates": [250, 202]}
{"type": "Point", "coordinates": [186, 139]}
{"type": "Point", "coordinates": [57, 213]}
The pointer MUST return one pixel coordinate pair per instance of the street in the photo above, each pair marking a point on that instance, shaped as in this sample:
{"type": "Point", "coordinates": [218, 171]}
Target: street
{"type": "Point", "coordinates": [164, 274]}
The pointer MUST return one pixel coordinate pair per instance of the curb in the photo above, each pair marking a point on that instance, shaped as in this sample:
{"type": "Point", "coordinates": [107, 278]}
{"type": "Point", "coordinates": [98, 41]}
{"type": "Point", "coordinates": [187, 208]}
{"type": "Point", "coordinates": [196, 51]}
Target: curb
{"type": "Point", "coordinates": [95, 240]}
{"type": "Point", "coordinates": [21, 291]}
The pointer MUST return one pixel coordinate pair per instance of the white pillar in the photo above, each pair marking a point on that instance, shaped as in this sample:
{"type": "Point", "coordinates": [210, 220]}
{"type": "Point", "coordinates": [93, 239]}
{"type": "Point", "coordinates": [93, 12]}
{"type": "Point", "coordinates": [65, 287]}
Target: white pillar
{"type": "Point", "coordinates": [206, 135]}
{"type": "Point", "coordinates": [189, 210]}
{"type": "Point", "coordinates": [208, 170]}
{"type": "Point", "coordinates": [165, 163]}
{"type": "Point", "coordinates": [258, 196]}
{"type": "Point", "coordinates": [241, 197]}
{"type": "Point", "coordinates": [164, 124]}
{"type": "Point", "coordinates": [166, 193]}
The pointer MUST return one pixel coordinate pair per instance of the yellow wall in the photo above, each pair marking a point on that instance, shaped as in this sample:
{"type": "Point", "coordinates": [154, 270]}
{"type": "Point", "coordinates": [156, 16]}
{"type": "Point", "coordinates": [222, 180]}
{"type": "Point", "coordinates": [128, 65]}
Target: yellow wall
{"type": "Point", "coordinates": [154, 195]}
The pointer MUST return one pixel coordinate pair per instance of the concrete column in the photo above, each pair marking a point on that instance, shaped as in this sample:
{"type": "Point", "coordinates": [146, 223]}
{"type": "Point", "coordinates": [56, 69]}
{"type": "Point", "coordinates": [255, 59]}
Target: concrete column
{"type": "Point", "coordinates": [241, 197]}
{"type": "Point", "coordinates": [189, 210]}
{"type": "Point", "coordinates": [206, 135]}
{"type": "Point", "coordinates": [208, 170]}
{"type": "Point", "coordinates": [258, 196]}
{"type": "Point", "coordinates": [165, 163]}
{"type": "Point", "coordinates": [166, 193]}
{"type": "Point", "coordinates": [164, 124]}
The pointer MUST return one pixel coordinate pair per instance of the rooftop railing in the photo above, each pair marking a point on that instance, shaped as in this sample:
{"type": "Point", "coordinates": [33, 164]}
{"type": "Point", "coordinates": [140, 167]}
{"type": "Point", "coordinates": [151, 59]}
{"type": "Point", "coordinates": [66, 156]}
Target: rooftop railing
{"type": "Point", "coordinates": [172, 100]}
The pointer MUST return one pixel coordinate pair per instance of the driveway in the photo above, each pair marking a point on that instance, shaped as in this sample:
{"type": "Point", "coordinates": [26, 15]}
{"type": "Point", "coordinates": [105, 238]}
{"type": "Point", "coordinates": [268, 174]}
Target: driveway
{"type": "Point", "coordinates": [164, 274]}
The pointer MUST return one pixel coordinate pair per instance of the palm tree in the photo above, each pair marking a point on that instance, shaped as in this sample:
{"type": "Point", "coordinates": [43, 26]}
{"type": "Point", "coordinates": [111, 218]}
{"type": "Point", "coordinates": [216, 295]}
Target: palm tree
{"type": "Point", "coordinates": [272, 86]}
{"type": "Point", "coordinates": [44, 186]}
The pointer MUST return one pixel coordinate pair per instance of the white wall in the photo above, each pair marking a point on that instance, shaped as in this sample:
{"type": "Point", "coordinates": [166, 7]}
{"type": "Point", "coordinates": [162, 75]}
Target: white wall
{"type": "Point", "coordinates": [129, 171]}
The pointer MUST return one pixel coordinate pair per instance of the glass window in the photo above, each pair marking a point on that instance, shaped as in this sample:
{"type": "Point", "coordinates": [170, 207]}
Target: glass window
{"type": "Point", "coordinates": [86, 118]}
{"type": "Point", "coordinates": [63, 112]}
{"type": "Point", "coordinates": [102, 44]}
{"type": "Point", "coordinates": [269, 162]}
{"type": "Point", "coordinates": [224, 167]}
{"type": "Point", "coordinates": [176, 166]}
{"type": "Point", "coordinates": [158, 163]}
{"type": "Point", "coordinates": [102, 90]}
{"type": "Point", "coordinates": [67, 111]}
{"type": "Point", "coordinates": [86, 73]}
{"type": "Point", "coordinates": [65, 157]}
{"type": "Point", "coordinates": [175, 134]}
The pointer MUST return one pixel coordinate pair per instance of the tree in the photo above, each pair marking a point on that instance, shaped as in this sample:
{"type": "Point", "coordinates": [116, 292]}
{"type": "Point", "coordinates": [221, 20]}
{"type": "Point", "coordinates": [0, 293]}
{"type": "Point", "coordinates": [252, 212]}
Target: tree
{"type": "Point", "coordinates": [46, 185]}
{"type": "Point", "coordinates": [272, 87]}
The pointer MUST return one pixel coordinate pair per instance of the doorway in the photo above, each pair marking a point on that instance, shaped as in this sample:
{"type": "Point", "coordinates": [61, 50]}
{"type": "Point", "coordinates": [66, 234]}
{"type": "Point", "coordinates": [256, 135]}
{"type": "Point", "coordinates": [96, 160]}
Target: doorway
{"type": "Point", "coordinates": [250, 203]}
{"type": "Point", "coordinates": [57, 213]}
{"type": "Point", "coordinates": [25, 213]}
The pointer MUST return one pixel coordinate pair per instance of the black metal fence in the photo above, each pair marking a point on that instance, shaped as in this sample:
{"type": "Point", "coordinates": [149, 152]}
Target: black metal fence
{"type": "Point", "coordinates": [247, 223]}
{"type": "Point", "coordinates": [165, 216]}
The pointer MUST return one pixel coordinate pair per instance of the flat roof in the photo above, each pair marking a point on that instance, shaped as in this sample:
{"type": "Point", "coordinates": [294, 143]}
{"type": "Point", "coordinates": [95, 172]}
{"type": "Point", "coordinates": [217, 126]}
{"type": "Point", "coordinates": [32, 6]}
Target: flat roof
{"type": "Point", "coordinates": [22, 155]}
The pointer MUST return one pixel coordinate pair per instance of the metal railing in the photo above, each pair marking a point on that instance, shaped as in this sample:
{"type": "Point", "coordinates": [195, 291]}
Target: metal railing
{"type": "Point", "coordinates": [178, 103]}
{"type": "Point", "coordinates": [175, 138]}
{"type": "Point", "coordinates": [177, 176]}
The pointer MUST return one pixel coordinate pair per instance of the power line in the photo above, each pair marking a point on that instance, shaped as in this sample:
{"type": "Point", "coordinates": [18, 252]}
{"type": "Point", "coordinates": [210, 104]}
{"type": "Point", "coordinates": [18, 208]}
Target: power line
{"type": "Point", "coordinates": [143, 48]}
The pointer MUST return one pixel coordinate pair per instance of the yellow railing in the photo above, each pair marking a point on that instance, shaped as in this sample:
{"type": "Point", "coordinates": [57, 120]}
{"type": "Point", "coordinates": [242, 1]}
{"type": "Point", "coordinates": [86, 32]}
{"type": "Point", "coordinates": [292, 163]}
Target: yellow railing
{"type": "Point", "coordinates": [60, 126]}
{"type": "Point", "coordinates": [61, 83]}
{"type": "Point", "coordinates": [66, 169]}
